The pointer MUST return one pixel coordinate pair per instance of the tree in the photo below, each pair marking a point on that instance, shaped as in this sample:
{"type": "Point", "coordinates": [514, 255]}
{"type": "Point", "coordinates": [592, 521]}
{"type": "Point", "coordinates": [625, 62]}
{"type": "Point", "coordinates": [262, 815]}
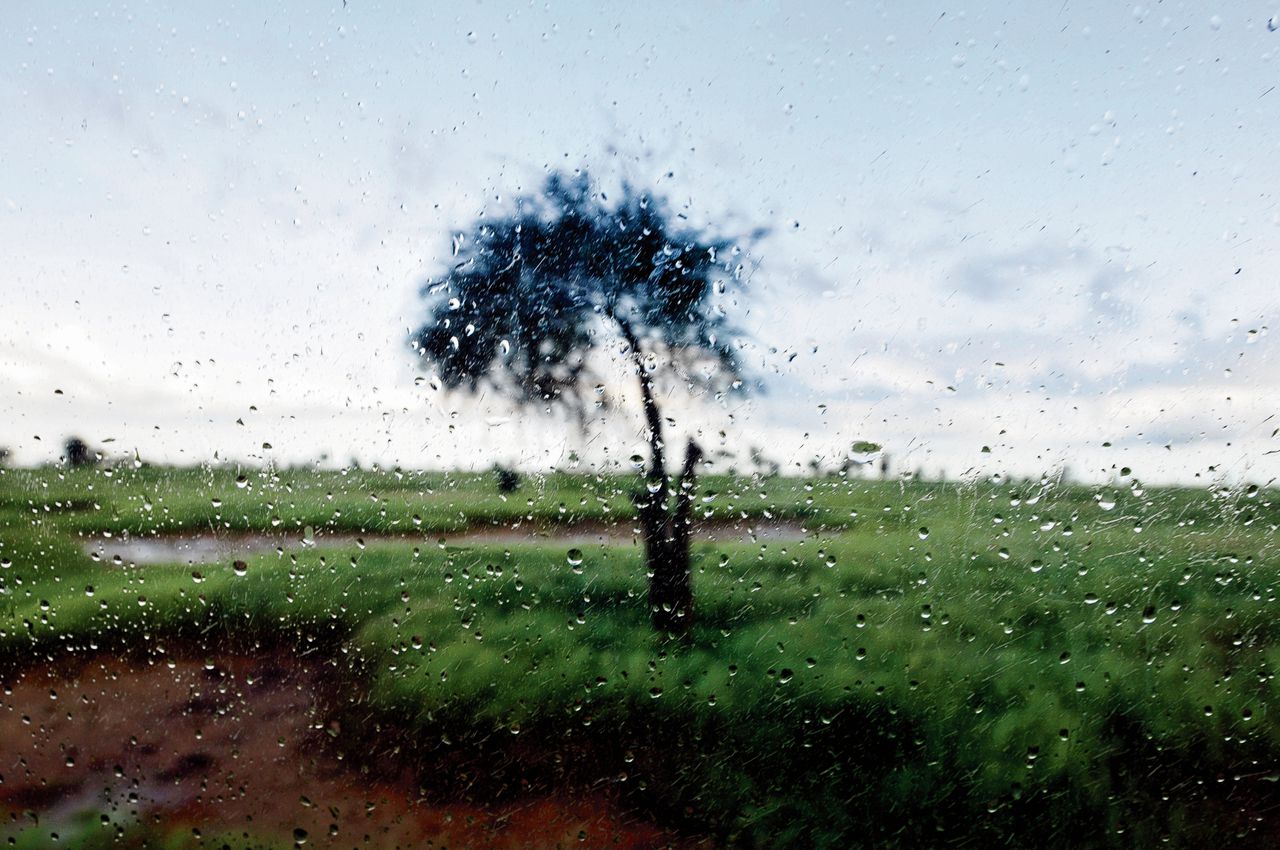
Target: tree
{"type": "Point", "coordinates": [508, 479]}
{"type": "Point", "coordinates": [77, 452]}
{"type": "Point", "coordinates": [533, 290]}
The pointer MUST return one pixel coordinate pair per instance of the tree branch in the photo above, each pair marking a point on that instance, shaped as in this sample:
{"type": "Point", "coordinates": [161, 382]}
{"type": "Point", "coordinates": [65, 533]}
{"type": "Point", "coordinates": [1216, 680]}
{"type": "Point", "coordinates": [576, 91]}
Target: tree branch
{"type": "Point", "coordinates": [653, 417]}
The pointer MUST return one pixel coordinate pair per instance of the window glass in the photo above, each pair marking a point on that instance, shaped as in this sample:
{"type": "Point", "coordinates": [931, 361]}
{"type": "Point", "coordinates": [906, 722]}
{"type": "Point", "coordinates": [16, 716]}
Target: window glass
{"type": "Point", "coordinates": [695, 425]}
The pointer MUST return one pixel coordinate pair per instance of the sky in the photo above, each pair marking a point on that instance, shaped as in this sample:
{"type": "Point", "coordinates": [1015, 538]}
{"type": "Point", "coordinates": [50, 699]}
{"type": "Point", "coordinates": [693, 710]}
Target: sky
{"type": "Point", "coordinates": [1005, 238]}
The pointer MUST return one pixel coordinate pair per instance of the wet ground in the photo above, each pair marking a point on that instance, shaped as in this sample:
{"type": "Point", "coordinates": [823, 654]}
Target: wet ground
{"type": "Point", "coordinates": [205, 548]}
{"type": "Point", "coordinates": [238, 745]}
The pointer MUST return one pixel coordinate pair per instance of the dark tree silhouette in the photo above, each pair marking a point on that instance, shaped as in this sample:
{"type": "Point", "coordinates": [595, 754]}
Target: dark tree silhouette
{"type": "Point", "coordinates": [77, 452]}
{"type": "Point", "coordinates": [566, 270]}
{"type": "Point", "coordinates": [508, 479]}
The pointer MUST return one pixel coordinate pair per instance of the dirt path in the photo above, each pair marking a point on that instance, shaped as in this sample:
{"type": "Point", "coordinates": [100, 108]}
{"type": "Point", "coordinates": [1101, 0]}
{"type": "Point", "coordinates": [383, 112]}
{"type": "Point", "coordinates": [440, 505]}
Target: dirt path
{"type": "Point", "coordinates": [208, 548]}
{"type": "Point", "coordinates": [242, 746]}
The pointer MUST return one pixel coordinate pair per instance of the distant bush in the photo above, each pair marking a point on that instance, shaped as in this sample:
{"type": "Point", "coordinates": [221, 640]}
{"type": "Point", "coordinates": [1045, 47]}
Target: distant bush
{"type": "Point", "coordinates": [508, 479]}
{"type": "Point", "coordinates": [77, 452]}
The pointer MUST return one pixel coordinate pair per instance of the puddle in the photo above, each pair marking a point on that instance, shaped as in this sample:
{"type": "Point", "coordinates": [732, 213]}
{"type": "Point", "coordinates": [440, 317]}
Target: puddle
{"type": "Point", "coordinates": [210, 548]}
{"type": "Point", "coordinates": [241, 745]}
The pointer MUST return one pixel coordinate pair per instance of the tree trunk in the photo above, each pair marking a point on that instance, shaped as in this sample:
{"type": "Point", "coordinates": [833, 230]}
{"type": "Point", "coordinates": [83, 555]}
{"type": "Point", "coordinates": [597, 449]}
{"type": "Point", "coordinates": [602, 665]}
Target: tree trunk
{"type": "Point", "coordinates": [666, 540]}
{"type": "Point", "coordinates": [665, 532]}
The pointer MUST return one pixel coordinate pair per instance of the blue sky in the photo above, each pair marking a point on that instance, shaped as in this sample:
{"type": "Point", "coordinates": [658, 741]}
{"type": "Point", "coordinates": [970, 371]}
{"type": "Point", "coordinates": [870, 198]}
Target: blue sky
{"type": "Point", "coordinates": [1030, 228]}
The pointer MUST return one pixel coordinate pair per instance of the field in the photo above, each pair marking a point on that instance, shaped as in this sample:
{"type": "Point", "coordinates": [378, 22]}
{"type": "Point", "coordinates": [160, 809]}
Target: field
{"type": "Point", "coordinates": [933, 664]}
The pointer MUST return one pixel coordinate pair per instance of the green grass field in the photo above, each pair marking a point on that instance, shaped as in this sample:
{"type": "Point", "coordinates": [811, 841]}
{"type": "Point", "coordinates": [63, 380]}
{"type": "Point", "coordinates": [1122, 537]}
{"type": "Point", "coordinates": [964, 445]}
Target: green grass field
{"type": "Point", "coordinates": [935, 665]}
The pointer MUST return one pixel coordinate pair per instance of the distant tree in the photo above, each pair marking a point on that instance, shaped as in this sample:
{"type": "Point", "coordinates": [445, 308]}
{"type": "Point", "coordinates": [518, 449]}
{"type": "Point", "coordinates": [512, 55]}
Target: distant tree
{"type": "Point", "coordinates": [77, 452]}
{"type": "Point", "coordinates": [762, 463]}
{"type": "Point", "coordinates": [534, 289]}
{"type": "Point", "coordinates": [4, 456]}
{"type": "Point", "coordinates": [507, 479]}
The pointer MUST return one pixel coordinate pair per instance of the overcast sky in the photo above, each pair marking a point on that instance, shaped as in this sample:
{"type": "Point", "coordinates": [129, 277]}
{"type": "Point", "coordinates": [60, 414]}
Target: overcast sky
{"type": "Point", "coordinates": [1005, 237]}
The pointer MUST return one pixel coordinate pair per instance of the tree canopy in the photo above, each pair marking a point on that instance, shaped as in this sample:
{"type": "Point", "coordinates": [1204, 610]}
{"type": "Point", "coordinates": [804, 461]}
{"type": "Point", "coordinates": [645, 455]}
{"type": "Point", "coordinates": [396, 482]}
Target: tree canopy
{"type": "Point", "coordinates": [532, 289]}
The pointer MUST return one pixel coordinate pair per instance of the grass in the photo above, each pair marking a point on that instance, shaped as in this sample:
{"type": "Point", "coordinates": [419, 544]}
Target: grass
{"type": "Point", "coordinates": [161, 501]}
{"type": "Point", "coordinates": [88, 831]}
{"type": "Point", "coordinates": [944, 665]}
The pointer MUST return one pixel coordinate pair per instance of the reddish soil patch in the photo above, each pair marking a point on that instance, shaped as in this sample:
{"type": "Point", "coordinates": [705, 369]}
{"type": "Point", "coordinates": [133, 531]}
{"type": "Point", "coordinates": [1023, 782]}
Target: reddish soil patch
{"type": "Point", "coordinates": [243, 745]}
